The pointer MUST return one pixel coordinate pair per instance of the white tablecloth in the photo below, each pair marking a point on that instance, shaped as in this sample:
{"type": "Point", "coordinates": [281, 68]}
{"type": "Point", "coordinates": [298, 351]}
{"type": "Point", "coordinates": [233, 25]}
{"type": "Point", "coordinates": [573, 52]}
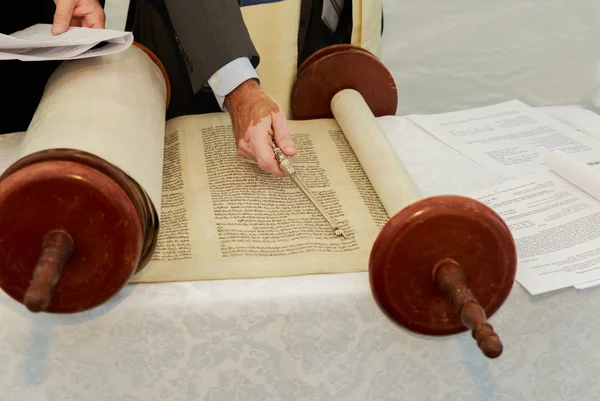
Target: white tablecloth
{"type": "Point", "coordinates": [305, 338]}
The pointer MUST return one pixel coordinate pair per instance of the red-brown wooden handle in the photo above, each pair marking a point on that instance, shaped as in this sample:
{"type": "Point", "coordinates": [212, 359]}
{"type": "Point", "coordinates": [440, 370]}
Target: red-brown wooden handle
{"type": "Point", "coordinates": [57, 247]}
{"type": "Point", "coordinates": [451, 280]}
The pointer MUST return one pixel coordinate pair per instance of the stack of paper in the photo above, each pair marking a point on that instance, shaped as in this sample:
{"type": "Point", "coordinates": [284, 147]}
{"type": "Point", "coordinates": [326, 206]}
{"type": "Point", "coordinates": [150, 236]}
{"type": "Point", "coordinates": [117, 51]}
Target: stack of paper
{"type": "Point", "coordinates": [552, 203]}
{"type": "Point", "coordinates": [554, 216]}
{"type": "Point", "coordinates": [511, 138]}
{"type": "Point", "coordinates": [37, 43]}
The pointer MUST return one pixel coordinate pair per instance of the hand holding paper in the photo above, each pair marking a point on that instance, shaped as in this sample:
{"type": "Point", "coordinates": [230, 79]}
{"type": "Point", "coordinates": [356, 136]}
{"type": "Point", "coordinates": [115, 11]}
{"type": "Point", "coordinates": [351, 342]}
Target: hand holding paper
{"type": "Point", "coordinates": [37, 43]}
{"type": "Point", "coordinates": [81, 13]}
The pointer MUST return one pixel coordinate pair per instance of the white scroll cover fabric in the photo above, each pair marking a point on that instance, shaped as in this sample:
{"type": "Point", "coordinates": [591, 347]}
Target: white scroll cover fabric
{"type": "Point", "coordinates": [309, 338]}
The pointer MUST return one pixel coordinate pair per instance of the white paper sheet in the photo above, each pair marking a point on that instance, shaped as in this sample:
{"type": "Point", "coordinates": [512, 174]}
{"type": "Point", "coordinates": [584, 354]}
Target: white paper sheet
{"type": "Point", "coordinates": [37, 43]}
{"type": "Point", "coordinates": [511, 139]}
{"type": "Point", "coordinates": [585, 177]}
{"type": "Point", "coordinates": [555, 226]}
{"type": "Point", "coordinates": [588, 284]}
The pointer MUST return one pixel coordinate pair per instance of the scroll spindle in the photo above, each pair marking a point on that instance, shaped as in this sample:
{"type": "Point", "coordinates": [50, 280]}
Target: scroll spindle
{"type": "Point", "coordinates": [424, 236]}
{"type": "Point", "coordinates": [450, 279]}
{"type": "Point", "coordinates": [417, 281]}
{"type": "Point", "coordinates": [97, 197]}
{"type": "Point", "coordinates": [57, 247]}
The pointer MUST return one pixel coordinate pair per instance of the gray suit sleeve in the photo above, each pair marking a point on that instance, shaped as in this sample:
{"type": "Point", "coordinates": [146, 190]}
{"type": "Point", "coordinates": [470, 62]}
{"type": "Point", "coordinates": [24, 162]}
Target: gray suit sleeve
{"type": "Point", "coordinates": [210, 34]}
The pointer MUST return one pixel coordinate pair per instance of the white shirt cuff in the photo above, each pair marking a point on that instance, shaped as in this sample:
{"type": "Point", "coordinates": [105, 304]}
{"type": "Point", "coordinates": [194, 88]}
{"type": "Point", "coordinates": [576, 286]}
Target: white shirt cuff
{"type": "Point", "coordinates": [229, 77]}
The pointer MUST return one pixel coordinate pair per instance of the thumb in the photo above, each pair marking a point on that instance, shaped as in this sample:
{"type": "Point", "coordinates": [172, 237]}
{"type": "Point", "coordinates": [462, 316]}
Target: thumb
{"type": "Point", "coordinates": [62, 16]}
{"type": "Point", "coordinates": [281, 133]}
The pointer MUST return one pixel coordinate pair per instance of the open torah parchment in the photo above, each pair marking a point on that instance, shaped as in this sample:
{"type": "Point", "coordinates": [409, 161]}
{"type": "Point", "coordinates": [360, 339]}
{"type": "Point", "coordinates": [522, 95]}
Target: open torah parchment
{"type": "Point", "coordinates": [221, 216]}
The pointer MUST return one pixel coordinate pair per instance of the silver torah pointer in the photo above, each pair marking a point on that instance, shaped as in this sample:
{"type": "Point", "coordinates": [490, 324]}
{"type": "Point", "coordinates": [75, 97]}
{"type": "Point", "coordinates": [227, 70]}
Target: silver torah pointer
{"type": "Point", "coordinates": [286, 165]}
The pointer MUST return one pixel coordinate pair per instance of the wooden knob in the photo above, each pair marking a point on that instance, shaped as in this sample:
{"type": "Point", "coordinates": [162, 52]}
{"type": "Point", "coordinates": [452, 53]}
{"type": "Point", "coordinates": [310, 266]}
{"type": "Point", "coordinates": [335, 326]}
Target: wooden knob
{"type": "Point", "coordinates": [339, 67]}
{"type": "Point", "coordinates": [89, 228]}
{"type": "Point", "coordinates": [57, 247]}
{"type": "Point", "coordinates": [451, 281]}
{"type": "Point", "coordinates": [444, 265]}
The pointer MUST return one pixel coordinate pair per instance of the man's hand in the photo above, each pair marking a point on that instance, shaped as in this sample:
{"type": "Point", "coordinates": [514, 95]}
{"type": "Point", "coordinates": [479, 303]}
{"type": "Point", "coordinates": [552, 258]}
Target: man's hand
{"type": "Point", "coordinates": [257, 118]}
{"type": "Point", "coordinates": [83, 13]}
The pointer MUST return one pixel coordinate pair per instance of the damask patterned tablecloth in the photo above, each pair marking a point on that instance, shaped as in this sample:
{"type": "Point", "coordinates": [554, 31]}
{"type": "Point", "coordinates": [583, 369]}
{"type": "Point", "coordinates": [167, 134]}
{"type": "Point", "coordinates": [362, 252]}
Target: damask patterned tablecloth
{"type": "Point", "coordinates": [306, 338]}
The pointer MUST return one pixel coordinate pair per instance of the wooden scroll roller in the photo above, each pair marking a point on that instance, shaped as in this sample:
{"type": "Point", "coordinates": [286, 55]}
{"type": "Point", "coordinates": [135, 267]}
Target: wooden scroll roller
{"type": "Point", "coordinates": [335, 68]}
{"type": "Point", "coordinates": [441, 265]}
{"type": "Point", "coordinates": [74, 226]}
